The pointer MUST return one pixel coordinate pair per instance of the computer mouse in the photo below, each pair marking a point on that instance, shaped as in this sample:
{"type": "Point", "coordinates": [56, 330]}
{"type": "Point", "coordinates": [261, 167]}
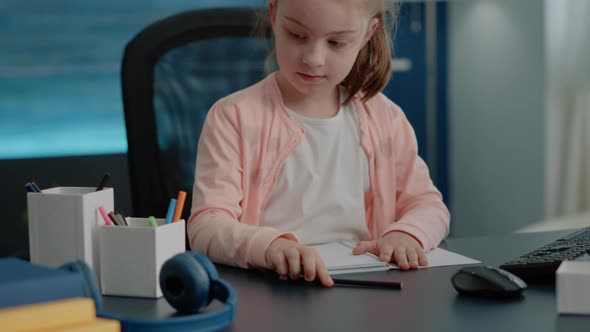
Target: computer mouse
{"type": "Point", "coordinates": [487, 281]}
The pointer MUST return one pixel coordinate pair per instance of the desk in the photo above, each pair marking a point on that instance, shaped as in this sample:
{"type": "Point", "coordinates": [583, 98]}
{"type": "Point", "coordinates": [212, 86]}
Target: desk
{"type": "Point", "coordinates": [427, 302]}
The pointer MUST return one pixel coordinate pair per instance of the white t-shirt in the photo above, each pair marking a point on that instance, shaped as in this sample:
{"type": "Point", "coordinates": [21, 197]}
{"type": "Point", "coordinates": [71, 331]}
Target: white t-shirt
{"type": "Point", "coordinates": [319, 194]}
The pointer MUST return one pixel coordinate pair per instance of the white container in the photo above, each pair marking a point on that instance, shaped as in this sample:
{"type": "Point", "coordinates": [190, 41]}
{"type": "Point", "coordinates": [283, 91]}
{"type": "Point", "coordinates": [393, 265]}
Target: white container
{"type": "Point", "coordinates": [573, 287]}
{"type": "Point", "coordinates": [131, 256]}
{"type": "Point", "coordinates": [64, 224]}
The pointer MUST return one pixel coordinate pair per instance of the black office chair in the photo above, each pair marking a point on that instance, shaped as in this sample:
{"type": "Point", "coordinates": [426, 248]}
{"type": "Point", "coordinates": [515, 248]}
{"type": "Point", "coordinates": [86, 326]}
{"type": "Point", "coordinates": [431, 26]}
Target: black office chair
{"type": "Point", "coordinates": [172, 72]}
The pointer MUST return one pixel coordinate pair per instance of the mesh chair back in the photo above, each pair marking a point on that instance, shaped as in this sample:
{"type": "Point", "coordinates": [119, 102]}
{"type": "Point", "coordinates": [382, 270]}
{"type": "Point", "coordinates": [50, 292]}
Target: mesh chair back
{"type": "Point", "coordinates": [172, 73]}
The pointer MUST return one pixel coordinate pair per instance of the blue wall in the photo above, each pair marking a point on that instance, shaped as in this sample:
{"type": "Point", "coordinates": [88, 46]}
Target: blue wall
{"type": "Point", "coordinates": [59, 72]}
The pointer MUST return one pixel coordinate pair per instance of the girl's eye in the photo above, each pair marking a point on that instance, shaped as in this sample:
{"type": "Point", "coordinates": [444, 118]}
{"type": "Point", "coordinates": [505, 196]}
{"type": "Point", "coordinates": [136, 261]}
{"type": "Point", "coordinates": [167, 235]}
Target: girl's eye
{"type": "Point", "coordinates": [296, 35]}
{"type": "Point", "coordinates": [336, 44]}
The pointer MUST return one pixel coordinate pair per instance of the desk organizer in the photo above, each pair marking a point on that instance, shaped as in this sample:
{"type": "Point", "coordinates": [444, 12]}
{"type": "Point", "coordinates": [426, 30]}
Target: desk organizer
{"type": "Point", "coordinates": [573, 287]}
{"type": "Point", "coordinates": [131, 256]}
{"type": "Point", "coordinates": [63, 224]}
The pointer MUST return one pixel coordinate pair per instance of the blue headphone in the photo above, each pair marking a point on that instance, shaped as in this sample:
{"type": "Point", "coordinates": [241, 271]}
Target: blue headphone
{"type": "Point", "coordinates": [189, 282]}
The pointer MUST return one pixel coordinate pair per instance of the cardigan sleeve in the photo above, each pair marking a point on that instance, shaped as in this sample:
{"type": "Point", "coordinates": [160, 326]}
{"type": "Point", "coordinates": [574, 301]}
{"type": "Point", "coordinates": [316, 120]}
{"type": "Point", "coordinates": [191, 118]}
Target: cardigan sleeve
{"type": "Point", "coordinates": [214, 226]}
{"type": "Point", "coordinates": [419, 208]}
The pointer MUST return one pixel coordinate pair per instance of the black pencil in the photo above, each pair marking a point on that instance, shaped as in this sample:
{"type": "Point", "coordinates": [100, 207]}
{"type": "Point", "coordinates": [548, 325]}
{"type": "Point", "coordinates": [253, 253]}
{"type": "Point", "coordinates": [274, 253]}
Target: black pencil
{"type": "Point", "coordinates": [368, 283]}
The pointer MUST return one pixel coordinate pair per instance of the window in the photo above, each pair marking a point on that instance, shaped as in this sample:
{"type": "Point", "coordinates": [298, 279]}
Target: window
{"type": "Point", "coordinates": [60, 91]}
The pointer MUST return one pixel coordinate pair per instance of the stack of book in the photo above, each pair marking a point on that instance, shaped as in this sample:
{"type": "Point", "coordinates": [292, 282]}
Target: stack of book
{"type": "Point", "coordinates": [39, 298]}
{"type": "Point", "coordinates": [69, 315]}
{"type": "Point", "coordinates": [22, 283]}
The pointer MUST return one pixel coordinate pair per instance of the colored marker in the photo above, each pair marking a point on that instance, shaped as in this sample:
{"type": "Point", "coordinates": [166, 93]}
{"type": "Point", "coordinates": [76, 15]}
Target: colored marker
{"type": "Point", "coordinates": [105, 216]}
{"type": "Point", "coordinates": [153, 222]}
{"type": "Point", "coordinates": [120, 214]}
{"type": "Point", "coordinates": [103, 182]}
{"type": "Point", "coordinates": [179, 205]}
{"type": "Point", "coordinates": [121, 219]}
{"type": "Point", "coordinates": [114, 219]}
{"type": "Point", "coordinates": [170, 213]}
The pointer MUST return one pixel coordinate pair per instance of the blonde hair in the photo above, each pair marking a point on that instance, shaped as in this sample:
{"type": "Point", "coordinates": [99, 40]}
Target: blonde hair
{"type": "Point", "coordinates": [372, 69]}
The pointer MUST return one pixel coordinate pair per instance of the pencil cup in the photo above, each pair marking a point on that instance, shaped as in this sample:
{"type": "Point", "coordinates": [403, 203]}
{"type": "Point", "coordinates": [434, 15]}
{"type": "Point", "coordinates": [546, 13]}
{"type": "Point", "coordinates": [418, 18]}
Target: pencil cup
{"type": "Point", "coordinates": [64, 224]}
{"type": "Point", "coordinates": [131, 256]}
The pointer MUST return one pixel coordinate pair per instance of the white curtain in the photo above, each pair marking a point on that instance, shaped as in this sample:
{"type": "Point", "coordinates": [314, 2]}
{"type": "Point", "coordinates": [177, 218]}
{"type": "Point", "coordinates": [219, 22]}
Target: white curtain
{"type": "Point", "coordinates": [568, 113]}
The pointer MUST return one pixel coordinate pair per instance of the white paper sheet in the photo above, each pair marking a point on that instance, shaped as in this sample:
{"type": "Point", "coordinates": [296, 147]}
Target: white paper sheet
{"type": "Point", "coordinates": [339, 259]}
{"type": "Point", "coordinates": [442, 257]}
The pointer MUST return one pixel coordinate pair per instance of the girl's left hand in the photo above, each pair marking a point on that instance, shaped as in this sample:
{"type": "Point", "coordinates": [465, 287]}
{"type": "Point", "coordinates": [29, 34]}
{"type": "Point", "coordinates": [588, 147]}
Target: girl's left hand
{"type": "Point", "coordinates": [396, 247]}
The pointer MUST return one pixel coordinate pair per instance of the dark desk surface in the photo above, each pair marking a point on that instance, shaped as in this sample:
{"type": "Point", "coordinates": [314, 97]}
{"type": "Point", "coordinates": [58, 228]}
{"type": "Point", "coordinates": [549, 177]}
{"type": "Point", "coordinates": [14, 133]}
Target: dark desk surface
{"type": "Point", "coordinates": [427, 302]}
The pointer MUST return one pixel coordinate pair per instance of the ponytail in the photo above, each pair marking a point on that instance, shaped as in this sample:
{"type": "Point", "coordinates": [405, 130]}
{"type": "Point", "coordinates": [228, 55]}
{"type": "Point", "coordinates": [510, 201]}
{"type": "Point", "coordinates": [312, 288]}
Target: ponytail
{"type": "Point", "coordinates": [372, 68]}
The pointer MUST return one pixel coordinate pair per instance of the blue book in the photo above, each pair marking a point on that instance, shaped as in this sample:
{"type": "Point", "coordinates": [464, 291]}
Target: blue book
{"type": "Point", "coordinates": [24, 283]}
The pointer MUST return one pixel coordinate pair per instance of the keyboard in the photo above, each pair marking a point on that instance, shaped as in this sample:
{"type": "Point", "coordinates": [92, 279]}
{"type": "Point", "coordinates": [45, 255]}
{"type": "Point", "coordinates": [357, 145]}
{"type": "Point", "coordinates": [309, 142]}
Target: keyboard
{"type": "Point", "coordinates": [541, 263]}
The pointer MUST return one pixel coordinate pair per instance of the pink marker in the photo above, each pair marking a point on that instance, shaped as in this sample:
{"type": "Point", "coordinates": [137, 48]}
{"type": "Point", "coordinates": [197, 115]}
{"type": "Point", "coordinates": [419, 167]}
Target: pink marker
{"type": "Point", "coordinates": [105, 216]}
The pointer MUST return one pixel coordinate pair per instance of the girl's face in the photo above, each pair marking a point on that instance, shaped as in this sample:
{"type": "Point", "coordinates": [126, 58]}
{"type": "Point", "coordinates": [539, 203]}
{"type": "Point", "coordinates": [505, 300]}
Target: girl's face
{"type": "Point", "coordinates": [317, 41]}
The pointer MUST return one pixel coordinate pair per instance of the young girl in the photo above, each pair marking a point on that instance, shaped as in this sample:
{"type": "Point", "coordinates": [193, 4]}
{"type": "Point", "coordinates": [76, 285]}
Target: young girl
{"type": "Point", "coordinates": [315, 153]}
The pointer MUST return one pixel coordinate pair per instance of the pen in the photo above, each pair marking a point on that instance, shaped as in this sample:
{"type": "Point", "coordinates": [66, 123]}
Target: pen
{"type": "Point", "coordinates": [171, 209]}
{"type": "Point", "coordinates": [30, 188]}
{"type": "Point", "coordinates": [105, 216]}
{"type": "Point", "coordinates": [368, 283]}
{"type": "Point", "coordinates": [179, 205]}
{"type": "Point", "coordinates": [153, 222]}
{"type": "Point", "coordinates": [35, 186]}
{"type": "Point", "coordinates": [103, 182]}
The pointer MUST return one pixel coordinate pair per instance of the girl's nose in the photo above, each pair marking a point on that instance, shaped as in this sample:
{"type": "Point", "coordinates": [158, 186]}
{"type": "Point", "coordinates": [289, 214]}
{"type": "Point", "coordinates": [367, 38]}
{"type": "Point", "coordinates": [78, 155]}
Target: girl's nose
{"type": "Point", "coordinates": [313, 56]}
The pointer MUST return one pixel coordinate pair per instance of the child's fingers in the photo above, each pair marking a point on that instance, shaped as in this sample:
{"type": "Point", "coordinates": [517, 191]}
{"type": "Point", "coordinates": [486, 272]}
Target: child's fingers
{"type": "Point", "coordinates": [412, 258]}
{"type": "Point", "coordinates": [294, 261]}
{"type": "Point", "coordinates": [279, 263]}
{"type": "Point", "coordinates": [401, 259]}
{"type": "Point", "coordinates": [282, 266]}
{"type": "Point", "coordinates": [422, 259]}
{"type": "Point", "coordinates": [385, 252]}
{"type": "Point", "coordinates": [364, 246]}
{"type": "Point", "coordinates": [322, 273]}
{"type": "Point", "coordinates": [308, 259]}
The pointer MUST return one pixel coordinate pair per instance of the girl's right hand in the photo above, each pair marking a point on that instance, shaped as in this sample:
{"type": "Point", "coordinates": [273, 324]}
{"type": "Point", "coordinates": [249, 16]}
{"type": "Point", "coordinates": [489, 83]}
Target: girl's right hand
{"type": "Point", "coordinates": [289, 258]}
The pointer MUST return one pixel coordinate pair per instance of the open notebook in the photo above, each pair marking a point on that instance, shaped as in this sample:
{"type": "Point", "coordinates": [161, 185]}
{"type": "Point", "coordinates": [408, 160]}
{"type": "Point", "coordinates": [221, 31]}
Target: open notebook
{"type": "Point", "coordinates": [339, 259]}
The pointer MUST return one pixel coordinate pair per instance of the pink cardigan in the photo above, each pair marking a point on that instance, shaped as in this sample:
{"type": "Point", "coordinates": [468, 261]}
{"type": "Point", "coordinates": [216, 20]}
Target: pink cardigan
{"type": "Point", "coordinates": [245, 140]}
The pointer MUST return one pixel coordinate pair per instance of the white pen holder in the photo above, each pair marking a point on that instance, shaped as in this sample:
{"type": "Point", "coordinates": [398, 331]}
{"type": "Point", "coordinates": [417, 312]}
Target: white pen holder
{"type": "Point", "coordinates": [63, 224]}
{"type": "Point", "coordinates": [131, 256]}
{"type": "Point", "coordinates": [572, 287]}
